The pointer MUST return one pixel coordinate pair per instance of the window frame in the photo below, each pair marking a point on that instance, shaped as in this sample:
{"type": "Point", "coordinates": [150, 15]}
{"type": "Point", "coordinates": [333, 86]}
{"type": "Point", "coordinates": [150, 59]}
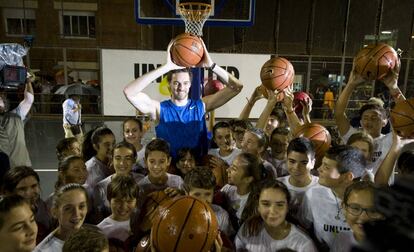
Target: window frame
{"type": "Point", "coordinates": [22, 15]}
{"type": "Point", "coordinates": [77, 14]}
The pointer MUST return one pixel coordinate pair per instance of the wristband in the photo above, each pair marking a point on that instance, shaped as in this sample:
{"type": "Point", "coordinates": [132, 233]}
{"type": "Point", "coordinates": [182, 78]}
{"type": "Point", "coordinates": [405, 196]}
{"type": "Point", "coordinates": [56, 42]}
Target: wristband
{"type": "Point", "coordinates": [220, 72]}
{"type": "Point", "coordinates": [212, 66]}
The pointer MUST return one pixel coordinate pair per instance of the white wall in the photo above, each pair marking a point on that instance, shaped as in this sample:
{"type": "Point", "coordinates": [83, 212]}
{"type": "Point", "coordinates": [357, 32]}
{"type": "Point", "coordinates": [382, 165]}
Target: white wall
{"type": "Point", "coordinates": [118, 70]}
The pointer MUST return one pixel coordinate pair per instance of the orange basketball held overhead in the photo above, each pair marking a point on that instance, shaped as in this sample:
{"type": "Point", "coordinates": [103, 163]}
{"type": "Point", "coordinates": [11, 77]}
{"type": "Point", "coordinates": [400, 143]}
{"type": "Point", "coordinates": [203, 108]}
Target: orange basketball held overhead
{"type": "Point", "coordinates": [319, 135]}
{"type": "Point", "coordinates": [184, 224]}
{"type": "Point", "coordinates": [402, 118]}
{"type": "Point", "coordinates": [277, 73]}
{"type": "Point", "coordinates": [187, 50]}
{"type": "Point", "coordinates": [373, 62]}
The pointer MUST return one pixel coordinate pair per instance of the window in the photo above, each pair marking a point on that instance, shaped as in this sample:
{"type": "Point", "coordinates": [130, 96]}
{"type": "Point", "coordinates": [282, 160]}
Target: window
{"type": "Point", "coordinates": [19, 22]}
{"type": "Point", "coordinates": [77, 24]}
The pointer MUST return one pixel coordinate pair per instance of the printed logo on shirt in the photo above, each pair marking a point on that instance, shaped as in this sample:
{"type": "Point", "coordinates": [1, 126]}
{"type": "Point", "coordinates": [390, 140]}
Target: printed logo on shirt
{"type": "Point", "coordinates": [334, 229]}
{"type": "Point", "coordinates": [192, 107]}
{"type": "Point", "coordinates": [376, 155]}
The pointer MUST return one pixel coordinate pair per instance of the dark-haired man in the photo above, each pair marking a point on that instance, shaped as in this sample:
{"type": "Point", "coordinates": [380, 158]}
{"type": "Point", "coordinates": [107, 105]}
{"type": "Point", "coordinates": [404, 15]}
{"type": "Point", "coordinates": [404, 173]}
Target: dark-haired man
{"type": "Point", "coordinates": [181, 120]}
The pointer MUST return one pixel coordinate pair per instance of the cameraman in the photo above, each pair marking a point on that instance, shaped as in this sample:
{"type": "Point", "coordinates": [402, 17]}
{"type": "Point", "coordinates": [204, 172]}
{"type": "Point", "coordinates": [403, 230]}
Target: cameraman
{"type": "Point", "coordinates": [12, 139]}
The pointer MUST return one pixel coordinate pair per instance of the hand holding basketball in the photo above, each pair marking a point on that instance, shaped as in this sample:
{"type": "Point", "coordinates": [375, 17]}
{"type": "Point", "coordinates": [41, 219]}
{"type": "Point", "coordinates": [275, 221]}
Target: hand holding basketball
{"type": "Point", "coordinates": [391, 79]}
{"type": "Point", "coordinates": [170, 62]}
{"type": "Point", "coordinates": [206, 61]}
{"type": "Point", "coordinates": [355, 78]}
{"type": "Point", "coordinates": [258, 94]}
{"type": "Point", "coordinates": [288, 100]}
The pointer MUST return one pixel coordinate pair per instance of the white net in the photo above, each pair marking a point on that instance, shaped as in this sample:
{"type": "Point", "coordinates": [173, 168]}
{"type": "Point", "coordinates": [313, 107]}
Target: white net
{"type": "Point", "coordinates": [194, 16]}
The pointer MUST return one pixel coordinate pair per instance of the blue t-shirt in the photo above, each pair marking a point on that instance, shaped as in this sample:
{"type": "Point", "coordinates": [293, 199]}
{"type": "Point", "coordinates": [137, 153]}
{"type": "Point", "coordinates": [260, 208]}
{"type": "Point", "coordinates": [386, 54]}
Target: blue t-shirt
{"type": "Point", "coordinates": [183, 126]}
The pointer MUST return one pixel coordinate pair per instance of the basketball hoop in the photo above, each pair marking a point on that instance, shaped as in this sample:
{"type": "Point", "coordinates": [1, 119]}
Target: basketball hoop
{"type": "Point", "coordinates": [194, 16]}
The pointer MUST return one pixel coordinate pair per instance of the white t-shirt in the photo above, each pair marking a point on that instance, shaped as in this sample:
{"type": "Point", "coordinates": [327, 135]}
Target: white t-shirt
{"type": "Point", "coordinates": [50, 244]}
{"type": "Point", "coordinates": [270, 168]}
{"type": "Point", "coordinates": [97, 171]}
{"type": "Point", "coordinates": [223, 220]}
{"type": "Point", "coordinates": [115, 229]}
{"type": "Point", "coordinates": [296, 240]}
{"type": "Point", "coordinates": [229, 158]}
{"type": "Point", "coordinates": [100, 192]}
{"type": "Point", "coordinates": [236, 201]}
{"type": "Point", "coordinates": [297, 193]}
{"type": "Point", "coordinates": [322, 208]}
{"type": "Point", "coordinates": [382, 145]}
{"type": "Point", "coordinates": [146, 186]}
{"type": "Point", "coordinates": [141, 157]}
{"type": "Point", "coordinates": [344, 242]}
{"type": "Point", "coordinates": [280, 165]}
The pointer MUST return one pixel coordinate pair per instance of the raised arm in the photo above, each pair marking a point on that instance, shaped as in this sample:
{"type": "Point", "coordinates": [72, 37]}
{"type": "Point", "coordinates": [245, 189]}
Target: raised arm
{"type": "Point", "coordinates": [271, 102]}
{"type": "Point", "coordinates": [341, 120]}
{"type": "Point", "coordinates": [307, 108]}
{"type": "Point", "coordinates": [256, 95]}
{"type": "Point", "coordinates": [25, 105]}
{"type": "Point", "coordinates": [139, 99]}
{"type": "Point", "coordinates": [233, 85]}
{"type": "Point", "coordinates": [292, 118]}
{"type": "Point", "coordinates": [391, 81]}
{"type": "Point", "coordinates": [387, 166]}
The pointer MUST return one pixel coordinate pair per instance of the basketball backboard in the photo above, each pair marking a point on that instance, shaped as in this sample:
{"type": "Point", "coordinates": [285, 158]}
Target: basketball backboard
{"type": "Point", "coordinates": [224, 12]}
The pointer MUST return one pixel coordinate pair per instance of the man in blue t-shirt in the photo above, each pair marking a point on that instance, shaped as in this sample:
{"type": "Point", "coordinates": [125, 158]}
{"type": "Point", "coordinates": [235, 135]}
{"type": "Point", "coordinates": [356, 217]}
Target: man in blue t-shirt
{"type": "Point", "coordinates": [180, 120]}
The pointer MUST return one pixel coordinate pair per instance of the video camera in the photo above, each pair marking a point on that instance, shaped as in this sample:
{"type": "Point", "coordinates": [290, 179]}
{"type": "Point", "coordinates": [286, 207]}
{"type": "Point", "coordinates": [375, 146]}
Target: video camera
{"type": "Point", "coordinates": [12, 71]}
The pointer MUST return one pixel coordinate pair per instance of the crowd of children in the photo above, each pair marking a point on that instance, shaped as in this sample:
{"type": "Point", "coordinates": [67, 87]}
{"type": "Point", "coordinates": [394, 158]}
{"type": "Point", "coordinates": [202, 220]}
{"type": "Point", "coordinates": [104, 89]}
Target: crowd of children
{"type": "Point", "coordinates": [264, 185]}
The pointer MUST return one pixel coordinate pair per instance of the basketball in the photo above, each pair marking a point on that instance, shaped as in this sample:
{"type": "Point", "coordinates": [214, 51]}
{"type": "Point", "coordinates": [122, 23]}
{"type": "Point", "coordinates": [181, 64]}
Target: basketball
{"type": "Point", "coordinates": [319, 135]}
{"type": "Point", "coordinates": [277, 73]}
{"type": "Point", "coordinates": [402, 118]}
{"type": "Point", "coordinates": [184, 224]}
{"type": "Point", "coordinates": [153, 200]}
{"type": "Point", "coordinates": [212, 87]}
{"type": "Point", "coordinates": [299, 97]}
{"type": "Point", "coordinates": [375, 61]}
{"type": "Point", "coordinates": [187, 50]}
{"type": "Point", "coordinates": [219, 172]}
{"type": "Point", "coordinates": [143, 222]}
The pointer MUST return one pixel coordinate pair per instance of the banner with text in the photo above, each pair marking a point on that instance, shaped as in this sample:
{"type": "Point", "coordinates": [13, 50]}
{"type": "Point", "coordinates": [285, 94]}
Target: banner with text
{"type": "Point", "coordinates": [119, 67]}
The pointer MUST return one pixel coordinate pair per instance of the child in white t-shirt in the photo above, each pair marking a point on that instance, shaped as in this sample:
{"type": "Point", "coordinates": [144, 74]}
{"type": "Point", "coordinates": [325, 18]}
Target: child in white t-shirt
{"type": "Point", "coordinates": [226, 151]}
{"type": "Point", "coordinates": [300, 162]}
{"type": "Point", "coordinates": [321, 206]}
{"type": "Point", "coordinates": [158, 160]}
{"type": "Point", "coordinates": [200, 183]}
{"type": "Point", "coordinates": [123, 158]}
{"type": "Point", "coordinates": [122, 194]}
{"type": "Point", "coordinates": [70, 206]}
{"type": "Point", "coordinates": [266, 229]}
{"type": "Point", "coordinates": [245, 171]}
{"type": "Point", "coordinates": [359, 208]}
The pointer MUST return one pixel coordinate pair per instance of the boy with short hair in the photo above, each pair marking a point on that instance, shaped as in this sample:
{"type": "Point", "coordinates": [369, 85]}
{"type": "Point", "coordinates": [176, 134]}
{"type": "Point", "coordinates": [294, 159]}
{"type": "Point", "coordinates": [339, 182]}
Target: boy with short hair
{"type": "Point", "coordinates": [276, 154]}
{"type": "Point", "coordinates": [158, 160]}
{"type": "Point", "coordinates": [122, 194]}
{"type": "Point", "coordinates": [200, 183]}
{"type": "Point", "coordinates": [373, 116]}
{"type": "Point", "coordinates": [88, 238]}
{"type": "Point", "coordinates": [300, 162]}
{"type": "Point", "coordinates": [321, 206]}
